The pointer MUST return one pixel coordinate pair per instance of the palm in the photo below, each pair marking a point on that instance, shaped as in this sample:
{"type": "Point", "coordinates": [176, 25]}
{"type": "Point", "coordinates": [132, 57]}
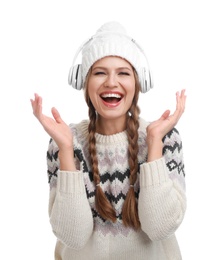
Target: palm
{"type": "Point", "coordinates": [55, 126]}
{"type": "Point", "coordinates": [160, 127]}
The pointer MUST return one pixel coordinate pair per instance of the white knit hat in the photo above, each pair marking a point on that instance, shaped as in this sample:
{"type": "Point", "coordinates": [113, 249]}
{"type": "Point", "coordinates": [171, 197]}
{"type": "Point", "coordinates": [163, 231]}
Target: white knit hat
{"type": "Point", "coordinates": [111, 39]}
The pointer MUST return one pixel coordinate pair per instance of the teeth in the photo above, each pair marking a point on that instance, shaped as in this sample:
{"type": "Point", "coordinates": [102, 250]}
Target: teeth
{"type": "Point", "coordinates": [108, 95]}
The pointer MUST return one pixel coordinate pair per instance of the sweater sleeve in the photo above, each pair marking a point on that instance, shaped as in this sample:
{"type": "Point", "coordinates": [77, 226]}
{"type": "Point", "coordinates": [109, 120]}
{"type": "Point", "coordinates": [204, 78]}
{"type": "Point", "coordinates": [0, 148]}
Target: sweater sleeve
{"type": "Point", "coordinates": [162, 200]}
{"type": "Point", "coordinates": [69, 211]}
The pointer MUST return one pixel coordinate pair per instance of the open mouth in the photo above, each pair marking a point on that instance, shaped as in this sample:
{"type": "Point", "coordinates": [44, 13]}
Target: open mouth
{"type": "Point", "coordinates": [111, 98]}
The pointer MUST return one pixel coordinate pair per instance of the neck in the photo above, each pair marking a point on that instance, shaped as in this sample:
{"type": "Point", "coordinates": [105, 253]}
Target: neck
{"type": "Point", "coordinates": [111, 126]}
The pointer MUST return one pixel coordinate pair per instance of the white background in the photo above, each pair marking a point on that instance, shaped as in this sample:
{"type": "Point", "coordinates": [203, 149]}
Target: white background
{"type": "Point", "coordinates": [38, 40]}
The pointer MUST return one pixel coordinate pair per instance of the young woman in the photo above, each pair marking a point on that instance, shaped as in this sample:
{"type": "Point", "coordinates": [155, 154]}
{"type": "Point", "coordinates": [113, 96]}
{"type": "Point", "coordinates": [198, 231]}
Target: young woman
{"type": "Point", "coordinates": [117, 188]}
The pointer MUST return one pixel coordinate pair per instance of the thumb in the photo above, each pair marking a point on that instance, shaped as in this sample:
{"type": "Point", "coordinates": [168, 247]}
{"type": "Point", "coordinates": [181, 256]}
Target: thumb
{"type": "Point", "coordinates": [165, 115]}
{"type": "Point", "coordinates": [56, 115]}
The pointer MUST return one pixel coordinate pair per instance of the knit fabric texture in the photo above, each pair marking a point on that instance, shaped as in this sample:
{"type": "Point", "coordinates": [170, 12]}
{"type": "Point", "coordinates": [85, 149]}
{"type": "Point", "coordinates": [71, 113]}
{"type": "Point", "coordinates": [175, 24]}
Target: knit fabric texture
{"type": "Point", "coordinates": [111, 39]}
{"type": "Point", "coordinates": [160, 189]}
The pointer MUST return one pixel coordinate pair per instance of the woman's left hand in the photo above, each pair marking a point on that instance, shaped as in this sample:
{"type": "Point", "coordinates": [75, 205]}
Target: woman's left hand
{"type": "Point", "coordinates": [159, 128]}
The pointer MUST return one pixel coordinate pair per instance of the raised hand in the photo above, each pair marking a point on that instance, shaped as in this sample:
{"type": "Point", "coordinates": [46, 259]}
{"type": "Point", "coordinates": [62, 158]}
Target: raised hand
{"type": "Point", "coordinates": [159, 128]}
{"type": "Point", "coordinates": [55, 127]}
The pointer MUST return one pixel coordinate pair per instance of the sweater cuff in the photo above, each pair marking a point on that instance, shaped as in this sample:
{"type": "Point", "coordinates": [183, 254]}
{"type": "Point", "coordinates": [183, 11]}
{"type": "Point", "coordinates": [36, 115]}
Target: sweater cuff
{"type": "Point", "coordinates": [153, 173]}
{"type": "Point", "coordinates": [70, 182]}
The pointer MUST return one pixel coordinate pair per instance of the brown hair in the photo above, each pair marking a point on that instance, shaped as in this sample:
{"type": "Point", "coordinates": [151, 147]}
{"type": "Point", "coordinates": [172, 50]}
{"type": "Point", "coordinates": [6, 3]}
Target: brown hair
{"type": "Point", "coordinates": [130, 208]}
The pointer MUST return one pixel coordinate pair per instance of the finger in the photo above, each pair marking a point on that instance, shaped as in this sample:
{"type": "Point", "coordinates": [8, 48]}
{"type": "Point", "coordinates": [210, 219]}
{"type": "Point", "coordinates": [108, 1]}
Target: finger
{"type": "Point", "coordinates": [33, 101]}
{"type": "Point", "coordinates": [181, 99]}
{"type": "Point", "coordinates": [37, 106]}
{"type": "Point", "coordinates": [180, 105]}
{"type": "Point", "coordinates": [165, 115]}
{"type": "Point", "coordinates": [56, 115]}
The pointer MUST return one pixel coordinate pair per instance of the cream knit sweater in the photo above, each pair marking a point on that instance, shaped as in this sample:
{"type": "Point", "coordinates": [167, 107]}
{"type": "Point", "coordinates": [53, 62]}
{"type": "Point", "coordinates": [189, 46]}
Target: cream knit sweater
{"type": "Point", "coordinates": [160, 188]}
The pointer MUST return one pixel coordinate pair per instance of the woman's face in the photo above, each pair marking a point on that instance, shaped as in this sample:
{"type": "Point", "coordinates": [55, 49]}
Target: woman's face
{"type": "Point", "coordinates": [111, 87]}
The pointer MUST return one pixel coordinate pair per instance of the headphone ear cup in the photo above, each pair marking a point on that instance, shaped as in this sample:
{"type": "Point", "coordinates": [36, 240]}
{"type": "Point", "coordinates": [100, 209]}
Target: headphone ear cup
{"type": "Point", "coordinates": [70, 76]}
{"type": "Point", "coordinates": [151, 84]}
{"type": "Point", "coordinates": [75, 77]}
{"type": "Point", "coordinates": [145, 80]}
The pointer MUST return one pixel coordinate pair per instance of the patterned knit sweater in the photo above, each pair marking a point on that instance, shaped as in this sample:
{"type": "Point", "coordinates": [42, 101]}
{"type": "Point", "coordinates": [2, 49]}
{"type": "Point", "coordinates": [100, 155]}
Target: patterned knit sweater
{"type": "Point", "coordinates": [160, 188]}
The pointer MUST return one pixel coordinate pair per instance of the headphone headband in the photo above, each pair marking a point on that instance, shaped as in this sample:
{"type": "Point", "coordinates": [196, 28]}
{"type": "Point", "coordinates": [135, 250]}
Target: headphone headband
{"type": "Point", "coordinates": [75, 73]}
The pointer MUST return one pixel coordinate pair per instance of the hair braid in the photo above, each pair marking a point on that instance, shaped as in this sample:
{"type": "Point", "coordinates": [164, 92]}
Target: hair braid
{"type": "Point", "coordinates": [103, 205]}
{"type": "Point", "coordinates": [130, 208]}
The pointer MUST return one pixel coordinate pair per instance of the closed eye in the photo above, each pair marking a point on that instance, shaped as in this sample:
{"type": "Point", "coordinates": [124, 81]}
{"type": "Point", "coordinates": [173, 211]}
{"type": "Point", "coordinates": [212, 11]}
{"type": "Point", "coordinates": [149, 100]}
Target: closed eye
{"type": "Point", "coordinates": [99, 73]}
{"type": "Point", "coordinates": [124, 73]}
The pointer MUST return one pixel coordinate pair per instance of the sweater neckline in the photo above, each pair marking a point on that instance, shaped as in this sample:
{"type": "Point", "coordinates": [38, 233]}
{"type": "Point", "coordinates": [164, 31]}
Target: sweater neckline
{"type": "Point", "coordinates": [114, 138]}
{"type": "Point", "coordinates": [105, 139]}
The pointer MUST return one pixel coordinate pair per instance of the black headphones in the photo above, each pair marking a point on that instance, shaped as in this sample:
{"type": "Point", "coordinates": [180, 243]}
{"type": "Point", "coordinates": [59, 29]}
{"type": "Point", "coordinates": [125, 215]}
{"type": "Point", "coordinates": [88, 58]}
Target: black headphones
{"type": "Point", "coordinates": [75, 73]}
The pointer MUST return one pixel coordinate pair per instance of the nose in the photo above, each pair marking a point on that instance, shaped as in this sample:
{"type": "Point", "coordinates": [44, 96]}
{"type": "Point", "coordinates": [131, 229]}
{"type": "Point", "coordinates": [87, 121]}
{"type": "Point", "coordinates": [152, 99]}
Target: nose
{"type": "Point", "coordinates": [111, 81]}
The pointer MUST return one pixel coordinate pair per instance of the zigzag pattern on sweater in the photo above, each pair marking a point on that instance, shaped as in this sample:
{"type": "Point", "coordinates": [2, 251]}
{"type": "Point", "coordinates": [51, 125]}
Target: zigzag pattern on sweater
{"type": "Point", "coordinates": [173, 146]}
{"type": "Point", "coordinates": [113, 166]}
{"type": "Point", "coordinates": [52, 161]}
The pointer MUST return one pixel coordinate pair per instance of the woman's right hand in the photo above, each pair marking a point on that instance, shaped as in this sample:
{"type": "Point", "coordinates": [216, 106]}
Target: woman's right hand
{"type": "Point", "coordinates": [55, 127]}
